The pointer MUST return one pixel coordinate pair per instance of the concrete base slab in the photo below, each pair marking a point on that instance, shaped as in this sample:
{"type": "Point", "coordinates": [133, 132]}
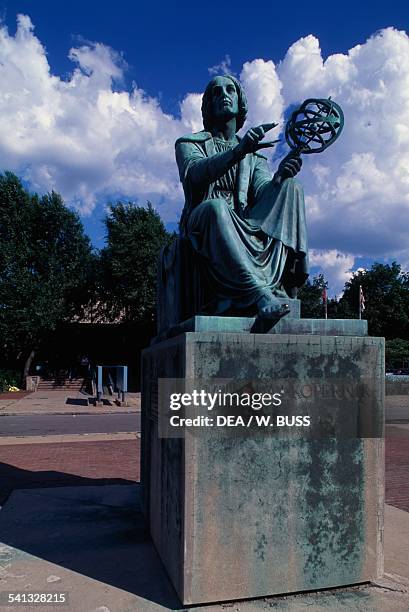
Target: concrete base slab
{"type": "Point", "coordinates": [91, 543]}
{"type": "Point", "coordinates": [291, 324]}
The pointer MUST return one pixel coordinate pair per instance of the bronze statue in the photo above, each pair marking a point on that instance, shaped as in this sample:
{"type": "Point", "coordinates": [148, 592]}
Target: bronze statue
{"type": "Point", "coordinates": [243, 239]}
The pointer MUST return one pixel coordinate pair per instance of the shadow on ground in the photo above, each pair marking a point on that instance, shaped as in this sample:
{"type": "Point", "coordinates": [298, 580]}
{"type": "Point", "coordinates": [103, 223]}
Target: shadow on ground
{"type": "Point", "coordinates": [89, 401]}
{"type": "Point", "coordinates": [97, 531]}
{"type": "Point", "coordinates": [12, 477]}
{"type": "Point", "coordinates": [75, 401]}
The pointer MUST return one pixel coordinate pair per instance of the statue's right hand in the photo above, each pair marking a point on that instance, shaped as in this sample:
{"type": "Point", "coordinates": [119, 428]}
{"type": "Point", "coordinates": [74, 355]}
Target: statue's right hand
{"type": "Point", "coordinates": [250, 143]}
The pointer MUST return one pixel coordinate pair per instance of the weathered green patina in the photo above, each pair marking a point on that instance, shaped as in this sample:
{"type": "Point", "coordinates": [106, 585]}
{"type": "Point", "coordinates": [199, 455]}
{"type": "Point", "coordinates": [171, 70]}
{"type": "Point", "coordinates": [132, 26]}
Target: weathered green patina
{"type": "Point", "coordinates": [314, 126]}
{"type": "Point", "coordinates": [246, 228]}
{"type": "Point", "coordinates": [289, 325]}
{"type": "Point", "coordinates": [243, 238]}
{"type": "Point", "coordinates": [254, 515]}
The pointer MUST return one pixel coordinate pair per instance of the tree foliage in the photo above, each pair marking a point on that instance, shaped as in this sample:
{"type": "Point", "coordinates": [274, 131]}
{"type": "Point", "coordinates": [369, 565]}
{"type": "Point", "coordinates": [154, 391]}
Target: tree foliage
{"type": "Point", "coordinates": [386, 291]}
{"type": "Point", "coordinates": [49, 274]}
{"type": "Point", "coordinates": [135, 236]}
{"type": "Point", "coordinates": [397, 354]}
{"type": "Point", "coordinates": [311, 298]}
{"type": "Point", "coordinates": [44, 264]}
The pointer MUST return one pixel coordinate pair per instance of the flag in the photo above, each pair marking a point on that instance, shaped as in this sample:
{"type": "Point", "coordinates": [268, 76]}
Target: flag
{"type": "Point", "coordinates": [361, 298]}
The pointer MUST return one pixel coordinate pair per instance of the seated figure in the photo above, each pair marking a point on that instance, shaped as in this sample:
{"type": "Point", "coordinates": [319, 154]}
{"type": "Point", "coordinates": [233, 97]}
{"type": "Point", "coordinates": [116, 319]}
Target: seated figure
{"type": "Point", "coordinates": [243, 240]}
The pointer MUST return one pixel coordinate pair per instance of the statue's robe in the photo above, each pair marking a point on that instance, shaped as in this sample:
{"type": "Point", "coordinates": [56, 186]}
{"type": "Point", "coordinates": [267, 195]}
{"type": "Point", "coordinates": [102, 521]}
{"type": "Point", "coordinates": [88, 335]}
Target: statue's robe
{"type": "Point", "coordinates": [249, 234]}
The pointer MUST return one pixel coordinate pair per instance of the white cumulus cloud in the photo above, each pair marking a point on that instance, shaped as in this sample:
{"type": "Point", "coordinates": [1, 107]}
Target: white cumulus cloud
{"type": "Point", "coordinates": [263, 89]}
{"type": "Point", "coordinates": [80, 136]}
{"type": "Point", "coordinates": [336, 267]}
{"type": "Point", "coordinates": [223, 68]}
{"type": "Point", "coordinates": [359, 188]}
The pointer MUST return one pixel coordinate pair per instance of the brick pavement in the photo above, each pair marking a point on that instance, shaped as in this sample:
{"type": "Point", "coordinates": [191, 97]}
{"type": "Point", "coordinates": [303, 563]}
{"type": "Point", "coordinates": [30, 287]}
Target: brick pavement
{"type": "Point", "coordinates": [14, 395]}
{"type": "Point", "coordinates": [117, 461]}
{"type": "Point", "coordinates": [26, 466]}
{"type": "Point", "coordinates": [397, 466]}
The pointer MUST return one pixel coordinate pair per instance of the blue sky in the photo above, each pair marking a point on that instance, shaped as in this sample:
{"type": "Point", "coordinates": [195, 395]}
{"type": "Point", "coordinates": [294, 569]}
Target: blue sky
{"type": "Point", "coordinates": [98, 123]}
{"type": "Point", "coordinates": [170, 45]}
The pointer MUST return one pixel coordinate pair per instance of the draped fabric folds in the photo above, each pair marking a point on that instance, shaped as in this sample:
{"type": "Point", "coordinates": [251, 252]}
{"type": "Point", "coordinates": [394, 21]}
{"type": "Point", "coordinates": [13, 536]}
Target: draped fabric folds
{"type": "Point", "coordinates": [242, 235]}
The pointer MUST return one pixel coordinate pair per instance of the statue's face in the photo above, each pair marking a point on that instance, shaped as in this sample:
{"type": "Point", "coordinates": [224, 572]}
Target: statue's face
{"type": "Point", "coordinates": [225, 99]}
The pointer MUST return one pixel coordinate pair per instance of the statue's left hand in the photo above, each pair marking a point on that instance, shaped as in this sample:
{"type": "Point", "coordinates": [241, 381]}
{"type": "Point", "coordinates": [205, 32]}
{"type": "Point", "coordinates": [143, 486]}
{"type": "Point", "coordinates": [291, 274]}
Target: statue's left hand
{"type": "Point", "coordinates": [288, 167]}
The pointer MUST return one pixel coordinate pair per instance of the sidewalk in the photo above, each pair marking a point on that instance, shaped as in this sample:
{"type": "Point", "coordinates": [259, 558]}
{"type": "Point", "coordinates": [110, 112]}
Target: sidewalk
{"type": "Point", "coordinates": [397, 465]}
{"type": "Point", "coordinates": [63, 401]}
{"type": "Point", "coordinates": [60, 401]}
{"type": "Point", "coordinates": [71, 523]}
{"type": "Point", "coordinates": [36, 462]}
{"type": "Point", "coordinates": [397, 408]}
{"type": "Point", "coordinates": [91, 543]}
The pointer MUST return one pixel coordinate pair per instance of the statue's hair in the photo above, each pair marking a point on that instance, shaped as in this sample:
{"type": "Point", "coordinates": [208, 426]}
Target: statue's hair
{"type": "Point", "coordinates": [207, 106]}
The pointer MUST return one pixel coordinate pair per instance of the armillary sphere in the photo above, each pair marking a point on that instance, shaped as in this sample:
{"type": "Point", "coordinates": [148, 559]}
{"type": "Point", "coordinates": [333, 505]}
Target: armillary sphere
{"type": "Point", "coordinates": [314, 126]}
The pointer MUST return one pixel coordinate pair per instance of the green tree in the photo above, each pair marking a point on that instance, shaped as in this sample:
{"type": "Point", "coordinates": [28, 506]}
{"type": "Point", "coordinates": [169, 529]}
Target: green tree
{"type": "Point", "coordinates": [135, 236]}
{"type": "Point", "coordinates": [386, 291]}
{"type": "Point", "coordinates": [45, 260]}
{"type": "Point", "coordinates": [397, 353]}
{"type": "Point", "coordinates": [311, 297]}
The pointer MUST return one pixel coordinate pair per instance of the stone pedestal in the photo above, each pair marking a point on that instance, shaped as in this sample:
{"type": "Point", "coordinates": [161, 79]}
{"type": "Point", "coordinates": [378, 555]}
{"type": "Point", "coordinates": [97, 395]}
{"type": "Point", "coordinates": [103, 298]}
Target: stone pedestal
{"type": "Point", "coordinates": [252, 516]}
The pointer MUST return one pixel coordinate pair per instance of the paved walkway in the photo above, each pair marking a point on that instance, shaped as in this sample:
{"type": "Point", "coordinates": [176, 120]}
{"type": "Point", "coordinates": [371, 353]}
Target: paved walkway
{"type": "Point", "coordinates": [59, 438]}
{"type": "Point", "coordinates": [82, 492]}
{"type": "Point", "coordinates": [397, 466]}
{"type": "Point", "coordinates": [67, 462]}
{"type": "Point", "coordinates": [397, 408]}
{"type": "Point", "coordinates": [117, 456]}
{"type": "Point", "coordinates": [62, 401]}
{"type": "Point", "coordinates": [96, 550]}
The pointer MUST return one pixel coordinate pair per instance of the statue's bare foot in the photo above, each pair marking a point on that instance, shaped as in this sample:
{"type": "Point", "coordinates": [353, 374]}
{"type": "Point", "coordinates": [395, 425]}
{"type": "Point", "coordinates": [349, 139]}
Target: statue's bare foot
{"type": "Point", "coordinates": [270, 311]}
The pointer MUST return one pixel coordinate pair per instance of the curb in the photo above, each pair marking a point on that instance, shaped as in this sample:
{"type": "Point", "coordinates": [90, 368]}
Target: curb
{"type": "Point", "coordinates": [5, 414]}
{"type": "Point", "coordinates": [68, 438]}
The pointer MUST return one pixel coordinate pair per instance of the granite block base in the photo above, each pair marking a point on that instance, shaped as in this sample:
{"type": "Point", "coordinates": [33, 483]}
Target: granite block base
{"type": "Point", "coordinates": [235, 518]}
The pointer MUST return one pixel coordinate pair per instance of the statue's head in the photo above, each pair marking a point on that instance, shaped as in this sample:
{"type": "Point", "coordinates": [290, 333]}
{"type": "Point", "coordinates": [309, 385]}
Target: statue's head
{"type": "Point", "coordinates": [208, 115]}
